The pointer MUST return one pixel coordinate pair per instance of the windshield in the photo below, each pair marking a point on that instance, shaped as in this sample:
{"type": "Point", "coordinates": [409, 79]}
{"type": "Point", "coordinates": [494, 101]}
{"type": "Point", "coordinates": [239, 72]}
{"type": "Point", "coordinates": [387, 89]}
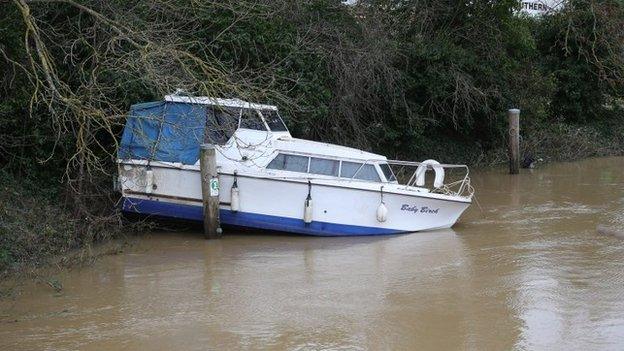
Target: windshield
{"type": "Point", "coordinates": [273, 120]}
{"type": "Point", "coordinates": [251, 120]}
{"type": "Point", "coordinates": [221, 122]}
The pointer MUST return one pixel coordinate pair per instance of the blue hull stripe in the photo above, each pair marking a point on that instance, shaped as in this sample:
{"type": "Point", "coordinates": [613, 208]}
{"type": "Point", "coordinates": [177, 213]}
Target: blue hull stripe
{"type": "Point", "coordinates": [251, 220]}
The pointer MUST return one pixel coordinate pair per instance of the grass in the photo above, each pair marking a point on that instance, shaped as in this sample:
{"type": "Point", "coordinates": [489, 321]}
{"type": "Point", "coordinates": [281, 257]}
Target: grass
{"type": "Point", "coordinates": [36, 229]}
{"type": "Point", "coordinates": [32, 227]}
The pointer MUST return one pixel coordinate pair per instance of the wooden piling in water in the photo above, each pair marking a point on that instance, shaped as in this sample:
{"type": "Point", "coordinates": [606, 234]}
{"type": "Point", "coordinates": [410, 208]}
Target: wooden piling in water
{"type": "Point", "coordinates": [514, 140]}
{"type": "Point", "coordinates": [210, 190]}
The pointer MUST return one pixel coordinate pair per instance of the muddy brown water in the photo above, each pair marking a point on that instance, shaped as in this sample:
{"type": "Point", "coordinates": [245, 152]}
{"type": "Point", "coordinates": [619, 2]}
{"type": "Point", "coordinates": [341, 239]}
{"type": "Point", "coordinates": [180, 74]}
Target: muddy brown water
{"type": "Point", "coordinates": [527, 272]}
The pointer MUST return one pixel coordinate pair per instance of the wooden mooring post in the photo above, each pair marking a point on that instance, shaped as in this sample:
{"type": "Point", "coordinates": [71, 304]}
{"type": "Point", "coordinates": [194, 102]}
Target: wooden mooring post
{"type": "Point", "coordinates": [514, 140]}
{"type": "Point", "coordinates": [210, 190]}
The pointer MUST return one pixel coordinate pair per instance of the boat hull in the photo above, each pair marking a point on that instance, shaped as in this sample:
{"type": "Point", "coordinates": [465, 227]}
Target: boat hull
{"type": "Point", "coordinates": [278, 204]}
{"type": "Point", "coordinates": [250, 220]}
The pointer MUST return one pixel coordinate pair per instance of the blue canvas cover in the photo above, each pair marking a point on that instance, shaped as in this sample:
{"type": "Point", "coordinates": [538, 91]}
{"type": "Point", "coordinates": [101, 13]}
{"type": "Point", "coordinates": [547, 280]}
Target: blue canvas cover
{"type": "Point", "coordinates": [164, 131]}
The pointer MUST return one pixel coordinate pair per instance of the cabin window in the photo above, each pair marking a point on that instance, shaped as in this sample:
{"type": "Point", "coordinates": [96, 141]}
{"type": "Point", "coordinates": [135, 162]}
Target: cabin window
{"type": "Point", "coordinates": [364, 172]}
{"type": "Point", "coordinates": [250, 119]}
{"type": "Point", "coordinates": [387, 171]}
{"type": "Point", "coordinates": [274, 121]}
{"type": "Point", "coordinates": [324, 166]}
{"type": "Point", "coordinates": [291, 163]}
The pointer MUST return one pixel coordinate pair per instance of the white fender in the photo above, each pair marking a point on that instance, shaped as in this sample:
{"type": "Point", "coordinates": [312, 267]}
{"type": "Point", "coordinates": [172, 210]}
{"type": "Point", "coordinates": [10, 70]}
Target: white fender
{"type": "Point", "coordinates": [235, 199]}
{"type": "Point", "coordinates": [149, 181]}
{"type": "Point", "coordinates": [307, 211]}
{"type": "Point", "coordinates": [382, 212]}
{"type": "Point", "coordinates": [422, 169]}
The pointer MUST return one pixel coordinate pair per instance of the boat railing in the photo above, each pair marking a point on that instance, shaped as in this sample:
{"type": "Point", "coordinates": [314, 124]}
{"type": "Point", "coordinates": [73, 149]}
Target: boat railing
{"type": "Point", "coordinates": [457, 186]}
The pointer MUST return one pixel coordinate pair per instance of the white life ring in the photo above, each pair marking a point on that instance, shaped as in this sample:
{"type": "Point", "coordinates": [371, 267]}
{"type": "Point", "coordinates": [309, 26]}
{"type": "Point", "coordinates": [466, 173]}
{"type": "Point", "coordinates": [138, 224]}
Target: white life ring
{"type": "Point", "coordinates": [422, 169]}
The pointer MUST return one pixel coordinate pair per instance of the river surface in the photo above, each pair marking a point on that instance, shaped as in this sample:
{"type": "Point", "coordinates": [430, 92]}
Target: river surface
{"type": "Point", "coordinates": [527, 272]}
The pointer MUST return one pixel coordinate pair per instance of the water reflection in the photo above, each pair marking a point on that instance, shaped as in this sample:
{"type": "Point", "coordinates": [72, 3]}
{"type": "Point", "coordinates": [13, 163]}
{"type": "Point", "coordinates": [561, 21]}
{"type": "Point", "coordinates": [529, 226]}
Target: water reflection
{"type": "Point", "coordinates": [525, 272]}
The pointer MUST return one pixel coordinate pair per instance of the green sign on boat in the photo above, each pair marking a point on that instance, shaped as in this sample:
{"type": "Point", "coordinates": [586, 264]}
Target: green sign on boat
{"type": "Point", "coordinates": [214, 187]}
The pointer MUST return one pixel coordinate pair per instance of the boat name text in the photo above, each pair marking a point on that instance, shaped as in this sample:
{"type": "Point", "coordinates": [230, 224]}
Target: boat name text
{"type": "Point", "coordinates": [419, 209]}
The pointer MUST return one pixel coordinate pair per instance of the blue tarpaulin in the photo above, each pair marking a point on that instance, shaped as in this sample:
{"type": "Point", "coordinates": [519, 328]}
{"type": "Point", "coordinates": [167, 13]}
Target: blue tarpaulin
{"type": "Point", "coordinates": [164, 131]}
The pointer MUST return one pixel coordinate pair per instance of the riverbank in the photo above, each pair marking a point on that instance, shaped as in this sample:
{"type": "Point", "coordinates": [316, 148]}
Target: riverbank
{"type": "Point", "coordinates": [33, 227]}
{"type": "Point", "coordinates": [37, 230]}
{"type": "Point", "coordinates": [550, 142]}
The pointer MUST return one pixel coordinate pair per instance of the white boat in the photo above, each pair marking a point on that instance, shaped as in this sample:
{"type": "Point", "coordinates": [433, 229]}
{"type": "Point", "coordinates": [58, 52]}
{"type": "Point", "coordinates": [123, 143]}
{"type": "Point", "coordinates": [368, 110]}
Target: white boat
{"type": "Point", "coordinates": [270, 180]}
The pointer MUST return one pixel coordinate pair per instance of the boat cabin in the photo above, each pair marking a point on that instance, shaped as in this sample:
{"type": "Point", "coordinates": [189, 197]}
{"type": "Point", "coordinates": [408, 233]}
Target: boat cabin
{"type": "Point", "coordinates": [249, 135]}
{"type": "Point", "coordinates": [251, 122]}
